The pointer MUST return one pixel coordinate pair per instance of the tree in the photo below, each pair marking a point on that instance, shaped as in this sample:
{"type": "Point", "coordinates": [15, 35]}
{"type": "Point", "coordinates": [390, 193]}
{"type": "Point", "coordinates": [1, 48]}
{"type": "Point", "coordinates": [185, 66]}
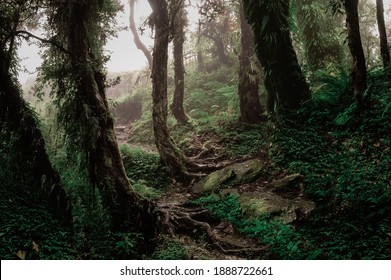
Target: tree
{"type": "Point", "coordinates": [284, 80]}
{"type": "Point", "coordinates": [136, 38]}
{"type": "Point", "coordinates": [359, 70]}
{"type": "Point", "coordinates": [216, 23]}
{"type": "Point", "coordinates": [178, 23]}
{"type": "Point", "coordinates": [250, 106]}
{"type": "Point", "coordinates": [169, 152]}
{"type": "Point", "coordinates": [17, 117]}
{"type": "Point", "coordinates": [200, 56]}
{"type": "Point", "coordinates": [78, 80]}
{"type": "Point", "coordinates": [384, 51]}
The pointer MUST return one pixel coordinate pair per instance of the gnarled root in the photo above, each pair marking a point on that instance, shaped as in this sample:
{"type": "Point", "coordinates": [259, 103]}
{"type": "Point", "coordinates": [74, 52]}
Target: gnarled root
{"type": "Point", "coordinates": [186, 218]}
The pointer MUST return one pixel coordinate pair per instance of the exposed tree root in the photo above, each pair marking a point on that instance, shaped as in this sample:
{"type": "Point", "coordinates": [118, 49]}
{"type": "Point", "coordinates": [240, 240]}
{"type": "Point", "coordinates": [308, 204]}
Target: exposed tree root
{"type": "Point", "coordinates": [185, 218]}
{"type": "Point", "coordinates": [198, 168]}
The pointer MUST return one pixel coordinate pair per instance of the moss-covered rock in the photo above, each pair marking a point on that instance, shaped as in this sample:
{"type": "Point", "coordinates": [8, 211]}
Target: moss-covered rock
{"type": "Point", "coordinates": [268, 204]}
{"type": "Point", "coordinates": [234, 174]}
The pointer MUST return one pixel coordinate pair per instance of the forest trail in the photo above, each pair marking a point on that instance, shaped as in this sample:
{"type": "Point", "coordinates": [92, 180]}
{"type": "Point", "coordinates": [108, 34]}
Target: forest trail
{"type": "Point", "coordinates": [205, 236]}
{"type": "Point", "coordinates": [123, 134]}
{"type": "Point", "coordinates": [259, 191]}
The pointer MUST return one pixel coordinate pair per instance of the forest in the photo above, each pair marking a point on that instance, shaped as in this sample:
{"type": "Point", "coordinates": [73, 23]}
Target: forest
{"type": "Point", "coordinates": [259, 131]}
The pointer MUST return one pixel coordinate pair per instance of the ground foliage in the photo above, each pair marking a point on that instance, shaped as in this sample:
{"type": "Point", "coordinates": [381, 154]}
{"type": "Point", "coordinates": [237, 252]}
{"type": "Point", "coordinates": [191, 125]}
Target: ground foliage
{"type": "Point", "coordinates": [28, 230]}
{"type": "Point", "coordinates": [343, 153]}
{"type": "Point", "coordinates": [345, 156]}
{"type": "Point", "coordinates": [140, 165]}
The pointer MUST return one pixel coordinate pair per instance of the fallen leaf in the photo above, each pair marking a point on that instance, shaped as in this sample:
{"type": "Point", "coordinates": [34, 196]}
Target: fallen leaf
{"type": "Point", "coordinates": [35, 247]}
{"type": "Point", "coordinates": [21, 254]}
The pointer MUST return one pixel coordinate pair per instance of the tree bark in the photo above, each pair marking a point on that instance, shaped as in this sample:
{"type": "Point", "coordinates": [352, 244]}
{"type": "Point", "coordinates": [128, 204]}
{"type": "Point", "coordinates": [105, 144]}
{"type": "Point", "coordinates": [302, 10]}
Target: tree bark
{"type": "Point", "coordinates": [274, 49]}
{"type": "Point", "coordinates": [169, 152]}
{"type": "Point", "coordinates": [177, 107]}
{"type": "Point", "coordinates": [359, 69]}
{"type": "Point", "coordinates": [106, 171]}
{"type": "Point", "coordinates": [136, 38]}
{"type": "Point", "coordinates": [250, 106]}
{"type": "Point", "coordinates": [16, 115]}
{"type": "Point", "coordinates": [384, 51]}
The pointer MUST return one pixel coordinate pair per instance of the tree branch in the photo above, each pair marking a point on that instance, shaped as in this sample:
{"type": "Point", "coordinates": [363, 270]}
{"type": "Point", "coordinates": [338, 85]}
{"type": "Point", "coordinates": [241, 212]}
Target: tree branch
{"type": "Point", "coordinates": [27, 35]}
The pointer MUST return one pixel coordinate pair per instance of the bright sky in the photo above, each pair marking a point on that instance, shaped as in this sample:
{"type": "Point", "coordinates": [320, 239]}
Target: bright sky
{"type": "Point", "coordinates": [124, 54]}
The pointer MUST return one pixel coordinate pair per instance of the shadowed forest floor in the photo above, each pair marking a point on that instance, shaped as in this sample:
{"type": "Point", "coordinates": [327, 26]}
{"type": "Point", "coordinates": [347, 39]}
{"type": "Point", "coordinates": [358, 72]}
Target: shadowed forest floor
{"type": "Point", "coordinates": [319, 188]}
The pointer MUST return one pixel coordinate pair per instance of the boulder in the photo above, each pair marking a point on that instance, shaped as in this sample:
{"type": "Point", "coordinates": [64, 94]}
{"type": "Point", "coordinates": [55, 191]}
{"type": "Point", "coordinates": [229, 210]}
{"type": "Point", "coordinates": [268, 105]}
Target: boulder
{"type": "Point", "coordinates": [234, 174]}
{"type": "Point", "coordinates": [264, 203]}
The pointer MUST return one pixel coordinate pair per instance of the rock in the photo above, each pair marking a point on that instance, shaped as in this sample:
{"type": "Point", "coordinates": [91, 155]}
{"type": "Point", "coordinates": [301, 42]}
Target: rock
{"type": "Point", "coordinates": [265, 203]}
{"type": "Point", "coordinates": [290, 183]}
{"type": "Point", "coordinates": [234, 174]}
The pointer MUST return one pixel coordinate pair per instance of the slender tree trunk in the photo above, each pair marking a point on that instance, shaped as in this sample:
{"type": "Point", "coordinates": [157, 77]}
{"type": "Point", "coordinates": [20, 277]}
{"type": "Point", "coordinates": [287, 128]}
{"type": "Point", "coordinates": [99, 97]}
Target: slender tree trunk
{"type": "Point", "coordinates": [359, 71]}
{"type": "Point", "coordinates": [136, 38]}
{"type": "Point", "coordinates": [250, 106]}
{"type": "Point", "coordinates": [274, 49]}
{"type": "Point", "coordinates": [179, 68]}
{"type": "Point", "coordinates": [200, 56]}
{"type": "Point", "coordinates": [220, 50]}
{"type": "Point", "coordinates": [17, 116]}
{"type": "Point", "coordinates": [384, 51]}
{"type": "Point", "coordinates": [106, 171]}
{"type": "Point", "coordinates": [169, 153]}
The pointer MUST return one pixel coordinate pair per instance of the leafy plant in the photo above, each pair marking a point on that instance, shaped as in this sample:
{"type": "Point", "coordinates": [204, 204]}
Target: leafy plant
{"type": "Point", "coordinates": [140, 165]}
{"type": "Point", "coordinates": [170, 249]}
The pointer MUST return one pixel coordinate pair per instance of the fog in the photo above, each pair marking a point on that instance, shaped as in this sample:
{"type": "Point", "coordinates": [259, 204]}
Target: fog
{"type": "Point", "coordinates": [124, 56]}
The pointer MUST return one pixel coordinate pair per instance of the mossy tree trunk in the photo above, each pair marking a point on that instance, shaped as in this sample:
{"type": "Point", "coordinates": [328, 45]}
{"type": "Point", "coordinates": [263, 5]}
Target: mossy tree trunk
{"type": "Point", "coordinates": [17, 116]}
{"type": "Point", "coordinates": [179, 21]}
{"type": "Point", "coordinates": [384, 51]}
{"type": "Point", "coordinates": [250, 106]}
{"type": "Point", "coordinates": [127, 209]}
{"type": "Point", "coordinates": [359, 69]}
{"type": "Point", "coordinates": [169, 152]}
{"type": "Point", "coordinates": [274, 49]}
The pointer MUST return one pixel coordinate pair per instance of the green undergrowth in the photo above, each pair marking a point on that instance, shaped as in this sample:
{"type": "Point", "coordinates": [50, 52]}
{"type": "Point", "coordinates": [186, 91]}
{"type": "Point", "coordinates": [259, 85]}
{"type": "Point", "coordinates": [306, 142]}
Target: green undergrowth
{"type": "Point", "coordinates": [148, 176]}
{"type": "Point", "coordinates": [28, 230]}
{"type": "Point", "coordinates": [170, 249]}
{"type": "Point", "coordinates": [233, 138]}
{"type": "Point", "coordinates": [283, 240]}
{"type": "Point", "coordinates": [31, 232]}
{"type": "Point", "coordinates": [345, 157]}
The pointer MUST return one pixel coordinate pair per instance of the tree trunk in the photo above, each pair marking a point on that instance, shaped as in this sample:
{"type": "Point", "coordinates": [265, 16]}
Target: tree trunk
{"type": "Point", "coordinates": [200, 56]}
{"type": "Point", "coordinates": [106, 171]}
{"type": "Point", "coordinates": [215, 31]}
{"type": "Point", "coordinates": [274, 49]}
{"type": "Point", "coordinates": [250, 107]}
{"type": "Point", "coordinates": [384, 51]}
{"type": "Point", "coordinates": [169, 153]}
{"type": "Point", "coordinates": [16, 115]}
{"type": "Point", "coordinates": [220, 50]}
{"type": "Point", "coordinates": [359, 71]}
{"type": "Point", "coordinates": [136, 38]}
{"type": "Point", "coordinates": [179, 68]}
